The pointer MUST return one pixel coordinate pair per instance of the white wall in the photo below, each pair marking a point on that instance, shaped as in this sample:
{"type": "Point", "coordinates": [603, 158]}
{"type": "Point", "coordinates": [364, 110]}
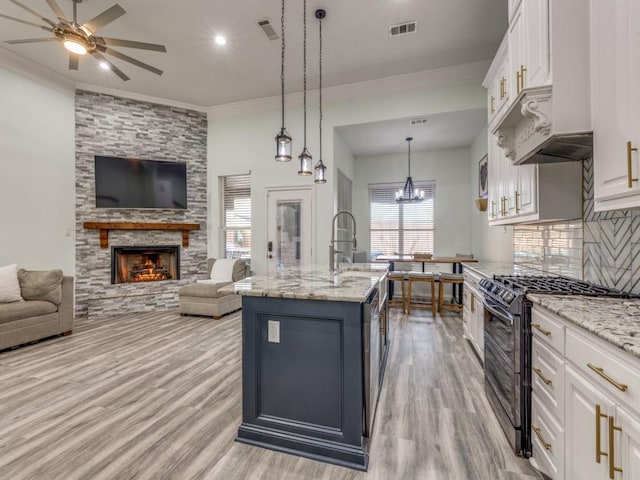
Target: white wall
{"type": "Point", "coordinates": [37, 165]}
{"type": "Point", "coordinates": [241, 139]}
{"type": "Point", "coordinates": [449, 169]}
{"type": "Point", "coordinates": [489, 244]}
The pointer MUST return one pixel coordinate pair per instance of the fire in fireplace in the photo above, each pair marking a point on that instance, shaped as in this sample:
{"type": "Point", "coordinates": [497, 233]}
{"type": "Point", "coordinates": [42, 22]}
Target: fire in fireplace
{"type": "Point", "coordinates": [145, 264]}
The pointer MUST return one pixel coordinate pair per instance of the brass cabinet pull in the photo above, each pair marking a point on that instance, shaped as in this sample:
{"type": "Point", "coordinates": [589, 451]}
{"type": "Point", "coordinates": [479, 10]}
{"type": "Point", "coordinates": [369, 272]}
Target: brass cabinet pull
{"type": "Point", "coordinates": [600, 371]}
{"type": "Point", "coordinates": [493, 209]}
{"type": "Point", "coordinates": [518, 80]}
{"type": "Point", "coordinates": [547, 446]}
{"type": "Point", "coordinates": [523, 70]}
{"type": "Point", "coordinates": [493, 110]}
{"type": "Point", "coordinates": [473, 303]}
{"type": "Point", "coordinates": [503, 207]}
{"type": "Point", "coordinates": [630, 178]}
{"type": "Point", "coordinates": [599, 415]}
{"type": "Point", "coordinates": [539, 373]}
{"type": "Point", "coordinates": [503, 88]}
{"type": "Point", "coordinates": [612, 462]}
{"type": "Point", "coordinates": [540, 329]}
{"type": "Point", "coordinates": [517, 202]}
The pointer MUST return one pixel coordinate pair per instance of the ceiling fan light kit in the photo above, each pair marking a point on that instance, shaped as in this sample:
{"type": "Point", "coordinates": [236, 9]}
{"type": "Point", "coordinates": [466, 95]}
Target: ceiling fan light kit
{"type": "Point", "coordinates": [81, 40]}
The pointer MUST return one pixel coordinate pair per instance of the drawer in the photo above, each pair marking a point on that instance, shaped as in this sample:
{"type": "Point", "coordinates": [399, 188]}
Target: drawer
{"type": "Point", "coordinates": [547, 377]}
{"type": "Point", "coordinates": [546, 328]}
{"type": "Point", "coordinates": [547, 440]}
{"type": "Point", "coordinates": [472, 279]}
{"type": "Point", "coordinates": [610, 370]}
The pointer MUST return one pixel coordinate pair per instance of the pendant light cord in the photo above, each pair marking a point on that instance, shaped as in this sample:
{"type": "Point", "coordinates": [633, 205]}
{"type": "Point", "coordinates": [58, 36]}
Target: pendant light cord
{"type": "Point", "coordinates": [409, 142]}
{"type": "Point", "coordinates": [320, 89]}
{"type": "Point", "coordinates": [304, 69]}
{"type": "Point", "coordinates": [282, 62]}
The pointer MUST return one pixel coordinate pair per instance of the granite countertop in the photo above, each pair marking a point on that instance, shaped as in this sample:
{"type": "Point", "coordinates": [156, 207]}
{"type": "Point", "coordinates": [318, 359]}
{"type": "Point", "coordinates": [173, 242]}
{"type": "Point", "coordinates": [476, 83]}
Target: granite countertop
{"type": "Point", "coordinates": [615, 320]}
{"type": "Point", "coordinates": [353, 283]}
{"type": "Point", "coordinates": [489, 269]}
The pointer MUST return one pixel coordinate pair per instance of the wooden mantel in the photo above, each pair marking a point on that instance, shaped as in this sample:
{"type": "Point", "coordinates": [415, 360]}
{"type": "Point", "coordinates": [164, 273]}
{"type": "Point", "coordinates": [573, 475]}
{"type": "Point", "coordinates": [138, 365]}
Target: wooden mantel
{"type": "Point", "coordinates": [104, 228]}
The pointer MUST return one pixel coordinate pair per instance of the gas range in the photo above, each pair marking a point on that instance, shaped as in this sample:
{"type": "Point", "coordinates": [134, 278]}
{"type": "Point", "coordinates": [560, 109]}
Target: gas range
{"type": "Point", "coordinates": [510, 290]}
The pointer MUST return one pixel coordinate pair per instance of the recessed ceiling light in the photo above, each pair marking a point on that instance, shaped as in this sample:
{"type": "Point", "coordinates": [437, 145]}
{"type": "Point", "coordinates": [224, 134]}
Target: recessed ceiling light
{"type": "Point", "coordinates": [104, 66]}
{"type": "Point", "coordinates": [220, 40]}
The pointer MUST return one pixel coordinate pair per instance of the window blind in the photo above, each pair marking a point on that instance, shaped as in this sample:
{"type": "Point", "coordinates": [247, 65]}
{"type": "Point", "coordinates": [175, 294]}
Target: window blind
{"type": "Point", "coordinates": [344, 227]}
{"type": "Point", "coordinates": [236, 216]}
{"type": "Point", "coordinates": [403, 228]}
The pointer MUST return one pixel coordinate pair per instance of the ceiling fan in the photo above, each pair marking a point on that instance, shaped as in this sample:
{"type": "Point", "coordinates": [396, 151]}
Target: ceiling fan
{"type": "Point", "coordinates": [81, 40]}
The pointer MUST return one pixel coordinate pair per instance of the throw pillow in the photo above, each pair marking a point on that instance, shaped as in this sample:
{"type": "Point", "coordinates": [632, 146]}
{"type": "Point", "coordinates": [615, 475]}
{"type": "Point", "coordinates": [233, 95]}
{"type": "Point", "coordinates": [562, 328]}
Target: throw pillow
{"type": "Point", "coordinates": [43, 285]}
{"type": "Point", "coordinates": [9, 286]}
{"type": "Point", "coordinates": [222, 270]}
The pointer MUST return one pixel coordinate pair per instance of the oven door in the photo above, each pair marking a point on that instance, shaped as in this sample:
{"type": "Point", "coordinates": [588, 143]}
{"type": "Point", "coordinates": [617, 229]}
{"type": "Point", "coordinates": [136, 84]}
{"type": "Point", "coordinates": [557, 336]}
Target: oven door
{"type": "Point", "coordinates": [502, 362]}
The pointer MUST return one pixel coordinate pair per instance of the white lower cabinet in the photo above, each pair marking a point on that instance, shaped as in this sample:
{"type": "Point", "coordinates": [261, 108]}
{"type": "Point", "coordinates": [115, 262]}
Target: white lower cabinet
{"type": "Point", "coordinates": [585, 410]}
{"type": "Point", "coordinates": [473, 313]}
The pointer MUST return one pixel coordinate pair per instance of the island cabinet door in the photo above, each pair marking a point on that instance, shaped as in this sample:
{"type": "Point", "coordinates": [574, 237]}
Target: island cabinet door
{"type": "Point", "coordinates": [302, 377]}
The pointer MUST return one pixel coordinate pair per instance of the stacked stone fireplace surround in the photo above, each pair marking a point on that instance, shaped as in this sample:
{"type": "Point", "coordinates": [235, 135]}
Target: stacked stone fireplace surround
{"type": "Point", "coordinates": [113, 126]}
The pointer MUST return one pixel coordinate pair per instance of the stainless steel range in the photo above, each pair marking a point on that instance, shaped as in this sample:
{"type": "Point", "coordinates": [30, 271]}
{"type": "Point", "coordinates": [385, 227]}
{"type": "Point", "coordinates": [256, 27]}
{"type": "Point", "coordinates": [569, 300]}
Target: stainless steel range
{"type": "Point", "coordinates": [507, 342]}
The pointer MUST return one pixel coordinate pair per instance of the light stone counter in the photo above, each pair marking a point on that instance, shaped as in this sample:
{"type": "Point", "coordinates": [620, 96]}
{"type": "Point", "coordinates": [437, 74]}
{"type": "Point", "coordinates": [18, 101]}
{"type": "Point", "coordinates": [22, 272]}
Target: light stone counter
{"type": "Point", "coordinates": [489, 269]}
{"type": "Point", "coordinates": [353, 283]}
{"type": "Point", "coordinates": [612, 319]}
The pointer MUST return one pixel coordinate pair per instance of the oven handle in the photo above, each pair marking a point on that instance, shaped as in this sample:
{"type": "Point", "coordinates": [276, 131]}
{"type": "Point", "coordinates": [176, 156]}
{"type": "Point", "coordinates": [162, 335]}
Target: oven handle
{"type": "Point", "coordinates": [494, 307]}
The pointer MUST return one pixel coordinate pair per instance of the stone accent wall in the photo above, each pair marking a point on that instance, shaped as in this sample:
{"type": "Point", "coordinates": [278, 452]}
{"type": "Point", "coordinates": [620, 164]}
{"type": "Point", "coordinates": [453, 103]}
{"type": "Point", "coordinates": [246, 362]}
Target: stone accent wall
{"type": "Point", "coordinates": [120, 127]}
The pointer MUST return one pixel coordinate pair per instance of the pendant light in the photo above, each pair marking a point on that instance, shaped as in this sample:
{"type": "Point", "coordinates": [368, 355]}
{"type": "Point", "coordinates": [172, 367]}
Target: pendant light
{"type": "Point", "coordinates": [409, 193]}
{"type": "Point", "coordinates": [305, 157]}
{"type": "Point", "coordinates": [283, 139]}
{"type": "Point", "coordinates": [320, 169]}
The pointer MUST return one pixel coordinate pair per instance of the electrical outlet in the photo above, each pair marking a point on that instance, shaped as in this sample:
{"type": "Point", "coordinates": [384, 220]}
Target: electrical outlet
{"type": "Point", "coordinates": [274, 331]}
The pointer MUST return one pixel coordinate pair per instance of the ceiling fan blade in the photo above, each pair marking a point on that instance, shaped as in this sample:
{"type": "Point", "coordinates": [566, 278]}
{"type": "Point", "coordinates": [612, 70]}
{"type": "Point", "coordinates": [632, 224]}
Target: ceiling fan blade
{"type": "Point", "coordinates": [33, 12]}
{"type": "Point", "coordinates": [133, 61]}
{"type": "Point", "coordinates": [57, 10]}
{"type": "Point", "coordinates": [118, 42]}
{"type": "Point", "coordinates": [48, 29]}
{"type": "Point", "coordinates": [112, 67]}
{"type": "Point", "coordinates": [73, 61]}
{"type": "Point", "coordinates": [32, 40]}
{"type": "Point", "coordinates": [106, 17]}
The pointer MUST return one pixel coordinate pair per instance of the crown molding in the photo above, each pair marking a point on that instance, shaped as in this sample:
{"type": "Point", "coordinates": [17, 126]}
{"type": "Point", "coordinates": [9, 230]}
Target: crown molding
{"type": "Point", "coordinates": [139, 97]}
{"type": "Point", "coordinates": [411, 81]}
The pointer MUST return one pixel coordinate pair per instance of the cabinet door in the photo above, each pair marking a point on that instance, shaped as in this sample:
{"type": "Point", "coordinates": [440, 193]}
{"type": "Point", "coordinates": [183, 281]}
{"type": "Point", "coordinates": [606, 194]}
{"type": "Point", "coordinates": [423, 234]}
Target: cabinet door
{"type": "Point", "coordinates": [493, 152]}
{"type": "Point", "coordinates": [479, 325]}
{"type": "Point", "coordinates": [614, 55]}
{"type": "Point", "coordinates": [627, 445]}
{"type": "Point", "coordinates": [582, 431]}
{"type": "Point", "coordinates": [536, 43]}
{"type": "Point", "coordinates": [527, 190]}
{"type": "Point", "coordinates": [516, 54]}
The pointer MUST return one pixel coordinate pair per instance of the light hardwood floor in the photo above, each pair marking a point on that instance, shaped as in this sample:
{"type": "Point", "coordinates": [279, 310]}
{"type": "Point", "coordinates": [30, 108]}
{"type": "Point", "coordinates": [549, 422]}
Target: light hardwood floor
{"type": "Point", "coordinates": [158, 396]}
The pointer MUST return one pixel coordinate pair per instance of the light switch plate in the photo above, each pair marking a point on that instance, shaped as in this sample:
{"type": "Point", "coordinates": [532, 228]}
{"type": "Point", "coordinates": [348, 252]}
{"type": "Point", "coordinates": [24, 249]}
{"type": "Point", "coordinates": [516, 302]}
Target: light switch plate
{"type": "Point", "coordinates": [274, 332]}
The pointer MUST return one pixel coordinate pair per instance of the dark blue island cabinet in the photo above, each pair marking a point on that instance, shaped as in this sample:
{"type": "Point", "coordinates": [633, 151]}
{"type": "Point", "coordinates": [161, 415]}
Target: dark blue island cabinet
{"type": "Point", "coordinates": [311, 372]}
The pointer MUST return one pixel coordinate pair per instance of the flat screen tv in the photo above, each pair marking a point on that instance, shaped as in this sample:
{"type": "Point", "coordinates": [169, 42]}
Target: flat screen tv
{"type": "Point", "coordinates": [135, 183]}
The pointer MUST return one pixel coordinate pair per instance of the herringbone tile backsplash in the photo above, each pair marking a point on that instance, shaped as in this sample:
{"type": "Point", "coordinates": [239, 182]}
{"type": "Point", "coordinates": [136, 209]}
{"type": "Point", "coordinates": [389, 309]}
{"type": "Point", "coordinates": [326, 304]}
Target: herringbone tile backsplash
{"type": "Point", "coordinates": [602, 247]}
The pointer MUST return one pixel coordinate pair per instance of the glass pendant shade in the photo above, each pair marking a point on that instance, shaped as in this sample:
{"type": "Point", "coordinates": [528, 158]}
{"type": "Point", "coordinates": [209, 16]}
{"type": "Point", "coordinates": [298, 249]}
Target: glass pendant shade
{"type": "Point", "coordinates": [321, 172]}
{"type": "Point", "coordinates": [283, 146]}
{"type": "Point", "coordinates": [306, 163]}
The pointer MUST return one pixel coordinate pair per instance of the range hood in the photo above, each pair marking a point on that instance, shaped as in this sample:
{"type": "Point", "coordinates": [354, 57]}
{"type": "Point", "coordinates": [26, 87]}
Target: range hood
{"type": "Point", "coordinates": [542, 126]}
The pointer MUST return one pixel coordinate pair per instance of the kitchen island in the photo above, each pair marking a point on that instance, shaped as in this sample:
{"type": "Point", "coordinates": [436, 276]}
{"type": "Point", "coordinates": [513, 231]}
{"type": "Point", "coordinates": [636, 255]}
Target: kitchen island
{"type": "Point", "coordinates": [314, 348]}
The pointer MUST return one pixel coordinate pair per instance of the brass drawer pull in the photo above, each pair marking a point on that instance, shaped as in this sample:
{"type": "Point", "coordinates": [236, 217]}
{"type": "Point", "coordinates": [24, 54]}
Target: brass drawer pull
{"type": "Point", "coordinates": [600, 371]}
{"type": "Point", "coordinates": [538, 327]}
{"type": "Point", "coordinates": [493, 109]}
{"type": "Point", "coordinates": [547, 446]}
{"type": "Point", "coordinates": [630, 178]}
{"type": "Point", "coordinates": [612, 464]}
{"type": "Point", "coordinates": [599, 416]}
{"type": "Point", "coordinates": [544, 379]}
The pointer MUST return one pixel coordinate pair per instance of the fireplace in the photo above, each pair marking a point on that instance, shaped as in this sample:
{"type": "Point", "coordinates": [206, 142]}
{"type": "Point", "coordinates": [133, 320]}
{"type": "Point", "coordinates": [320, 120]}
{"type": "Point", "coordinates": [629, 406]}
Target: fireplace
{"type": "Point", "coordinates": [145, 264]}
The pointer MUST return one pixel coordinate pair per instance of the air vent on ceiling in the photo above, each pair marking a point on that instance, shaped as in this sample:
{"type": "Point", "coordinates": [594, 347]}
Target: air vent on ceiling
{"type": "Point", "coordinates": [268, 29]}
{"type": "Point", "coordinates": [403, 29]}
{"type": "Point", "coordinates": [418, 121]}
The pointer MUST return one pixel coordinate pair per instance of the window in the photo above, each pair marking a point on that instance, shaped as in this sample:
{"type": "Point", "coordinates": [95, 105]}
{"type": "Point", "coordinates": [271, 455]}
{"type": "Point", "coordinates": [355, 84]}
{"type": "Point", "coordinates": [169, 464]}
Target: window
{"type": "Point", "coordinates": [402, 228]}
{"type": "Point", "coordinates": [236, 216]}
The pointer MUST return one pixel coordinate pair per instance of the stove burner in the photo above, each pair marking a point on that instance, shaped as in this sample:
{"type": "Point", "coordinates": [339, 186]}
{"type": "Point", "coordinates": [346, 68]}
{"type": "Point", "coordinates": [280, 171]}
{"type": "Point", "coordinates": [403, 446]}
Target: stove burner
{"type": "Point", "coordinates": [557, 286]}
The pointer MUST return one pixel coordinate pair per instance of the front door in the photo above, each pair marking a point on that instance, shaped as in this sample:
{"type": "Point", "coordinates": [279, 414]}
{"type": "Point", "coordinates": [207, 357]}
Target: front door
{"type": "Point", "coordinates": [288, 228]}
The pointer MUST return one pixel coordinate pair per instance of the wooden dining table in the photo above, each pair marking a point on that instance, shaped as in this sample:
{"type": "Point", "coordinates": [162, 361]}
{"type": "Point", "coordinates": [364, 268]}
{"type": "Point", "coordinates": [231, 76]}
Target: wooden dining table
{"type": "Point", "coordinates": [455, 261]}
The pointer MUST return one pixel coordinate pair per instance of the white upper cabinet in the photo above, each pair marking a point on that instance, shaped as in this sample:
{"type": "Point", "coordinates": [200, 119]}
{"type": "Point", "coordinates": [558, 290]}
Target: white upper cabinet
{"type": "Point", "coordinates": [615, 102]}
{"type": "Point", "coordinates": [535, 67]}
{"type": "Point", "coordinates": [513, 7]}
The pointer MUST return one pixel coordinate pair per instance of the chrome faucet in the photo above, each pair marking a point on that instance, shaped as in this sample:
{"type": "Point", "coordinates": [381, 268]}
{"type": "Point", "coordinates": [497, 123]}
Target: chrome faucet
{"type": "Point", "coordinates": [333, 265]}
